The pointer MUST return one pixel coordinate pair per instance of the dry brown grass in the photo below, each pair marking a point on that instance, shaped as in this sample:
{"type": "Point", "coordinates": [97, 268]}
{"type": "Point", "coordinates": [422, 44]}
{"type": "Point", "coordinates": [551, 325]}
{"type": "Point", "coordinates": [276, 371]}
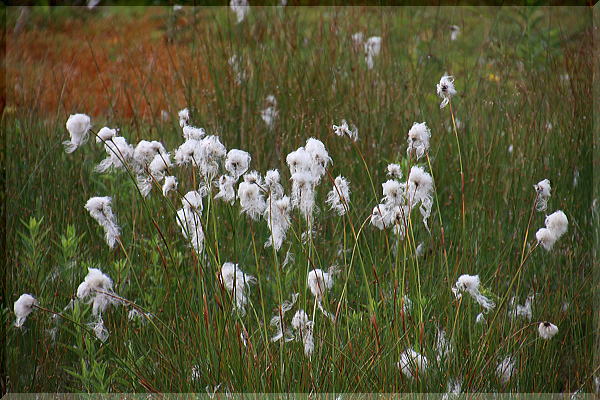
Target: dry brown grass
{"type": "Point", "coordinates": [119, 66]}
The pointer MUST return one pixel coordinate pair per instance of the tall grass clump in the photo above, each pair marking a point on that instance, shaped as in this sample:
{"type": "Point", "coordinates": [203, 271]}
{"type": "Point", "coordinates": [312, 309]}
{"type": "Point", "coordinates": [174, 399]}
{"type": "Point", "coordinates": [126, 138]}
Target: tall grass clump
{"type": "Point", "coordinates": [273, 199]}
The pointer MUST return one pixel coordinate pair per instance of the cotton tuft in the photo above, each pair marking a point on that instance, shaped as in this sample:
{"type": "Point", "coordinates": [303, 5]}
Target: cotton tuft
{"type": "Point", "coordinates": [277, 215]}
{"type": "Point", "coordinates": [97, 288]}
{"type": "Point", "coordinates": [278, 321]}
{"type": "Point", "coordinates": [238, 283]}
{"type": "Point", "coordinates": [237, 163]}
{"type": "Point", "coordinates": [240, 8]}
{"type": "Point", "coordinates": [78, 126]}
{"type": "Point", "coordinates": [269, 115]}
{"type": "Point", "coordinates": [23, 307]}
{"type": "Point", "coordinates": [412, 364]}
{"type": "Point", "coordinates": [226, 189]}
{"type": "Point", "coordinates": [303, 327]}
{"type": "Point", "coordinates": [556, 226]}
{"type": "Point", "coordinates": [119, 154]}
{"type": "Point", "coordinates": [339, 197]}
{"type": "Point", "coordinates": [372, 49]}
{"type": "Point", "coordinates": [184, 117]}
{"type": "Point", "coordinates": [505, 369]}
{"type": "Point", "coordinates": [470, 284]}
{"type": "Point", "coordinates": [251, 197]}
{"type": "Point", "coordinates": [193, 133]}
{"type": "Point", "coordinates": [105, 134]}
{"type": "Point", "coordinates": [446, 90]}
{"type": "Point", "coordinates": [345, 130]}
{"type": "Point", "coordinates": [542, 189]}
{"type": "Point", "coordinates": [418, 139]}
{"type": "Point", "coordinates": [100, 209]}
{"type": "Point", "coordinates": [547, 330]}
{"type": "Point", "coordinates": [169, 185]}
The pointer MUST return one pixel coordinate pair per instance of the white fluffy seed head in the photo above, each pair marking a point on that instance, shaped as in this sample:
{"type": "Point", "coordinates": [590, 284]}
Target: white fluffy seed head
{"type": "Point", "coordinates": [468, 282]}
{"type": "Point", "coordinates": [505, 369]}
{"type": "Point", "coordinates": [320, 157]}
{"type": "Point", "coordinates": [95, 280]}
{"type": "Point", "coordinates": [557, 223]}
{"type": "Point", "coordinates": [211, 151]}
{"type": "Point", "coordinates": [237, 282]}
{"type": "Point", "coordinates": [345, 130]}
{"type": "Point", "coordinates": [299, 161]}
{"type": "Point", "coordinates": [277, 215]}
{"type": "Point", "coordinates": [393, 192]}
{"type": "Point", "coordinates": [372, 49]}
{"type": "Point", "coordinates": [193, 133]}
{"type": "Point", "coordinates": [272, 181]}
{"type": "Point", "coordinates": [169, 185]}
{"type": "Point", "coordinates": [105, 134]}
{"type": "Point", "coordinates": [237, 162]}
{"type": "Point", "coordinates": [320, 282]}
{"type": "Point", "coordinates": [119, 153]}
{"type": "Point", "coordinates": [97, 287]}
{"type": "Point", "coordinates": [251, 198]}
{"type": "Point", "coordinates": [303, 327]}
{"type": "Point", "coordinates": [269, 114]}
{"type": "Point", "coordinates": [547, 330]}
{"type": "Point", "coordinates": [395, 171]}
{"type": "Point", "coordinates": [422, 181]}
{"type": "Point", "coordinates": [23, 307]}
{"type": "Point", "coordinates": [191, 227]}
{"type": "Point", "coordinates": [272, 177]}
{"type": "Point", "coordinates": [100, 209]}
{"type": "Point", "coordinates": [193, 200]}
{"type": "Point", "coordinates": [145, 151]}
{"type": "Point", "coordinates": [78, 126]}
{"type": "Point", "coordinates": [358, 38]}
{"type": "Point", "coordinates": [446, 90]}
{"type": "Point", "coordinates": [226, 189]}
{"type": "Point", "coordinates": [546, 238]}
{"type": "Point", "coordinates": [412, 364]}
{"type": "Point", "coordinates": [240, 8]}
{"type": "Point", "coordinates": [184, 117]}
{"type": "Point", "coordinates": [542, 189]}
{"type": "Point", "coordinates": [418, 139]}
{"type": "Point", "coordinates": [339, 196]}
{"type": "Point", "coordinates": [159, 165]}
{"type": "Point", "coordinates": [373, 45]}
{"type": "Point", "coordinates": [300, 320]}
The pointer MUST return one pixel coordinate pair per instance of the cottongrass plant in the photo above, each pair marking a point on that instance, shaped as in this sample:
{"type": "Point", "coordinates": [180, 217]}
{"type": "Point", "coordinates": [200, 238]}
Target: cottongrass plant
{"type": "Point", "coordinates": [226, 176]}
{"type": "Point", "coordinates": [282, 329]}
{"type": "Point", "coordinates": [372, 50]}
{"type": "Point", "coordinates": [506, 369]}
{"type": "Point", "coordinates": [101, 210]}
{"type": "Point", "coordinates": [24, 306]}
{"type": "Point", "coordinates": [263, 197]}
{"type": "Point", "coordinates": [270, 113]}
{"type": "Point", "coordinates": [547, 330]}
{"type": "Point", "coordinates": [78, 126]}
{"type": "Point", "coordinates": [320, 282]}
{"type": "Point", "coordinates": [339, 197]}
{"type": "Point", "coordinates": [303, 328]}
{"type": "Point", "coordinates": [542, 189]}
{"type": "Point", "coordinates": [470, 284]}
{"type": "Point", "coordinates": [345, 130]}
{"type": "Point", "coordinates": [237, 282]}
{"type": "Point", "coordinates": [188, 219]}
{"type": "Point", "coordinates": [412, 364]}
{"type": "Point", "coordinates": [556, 226]}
